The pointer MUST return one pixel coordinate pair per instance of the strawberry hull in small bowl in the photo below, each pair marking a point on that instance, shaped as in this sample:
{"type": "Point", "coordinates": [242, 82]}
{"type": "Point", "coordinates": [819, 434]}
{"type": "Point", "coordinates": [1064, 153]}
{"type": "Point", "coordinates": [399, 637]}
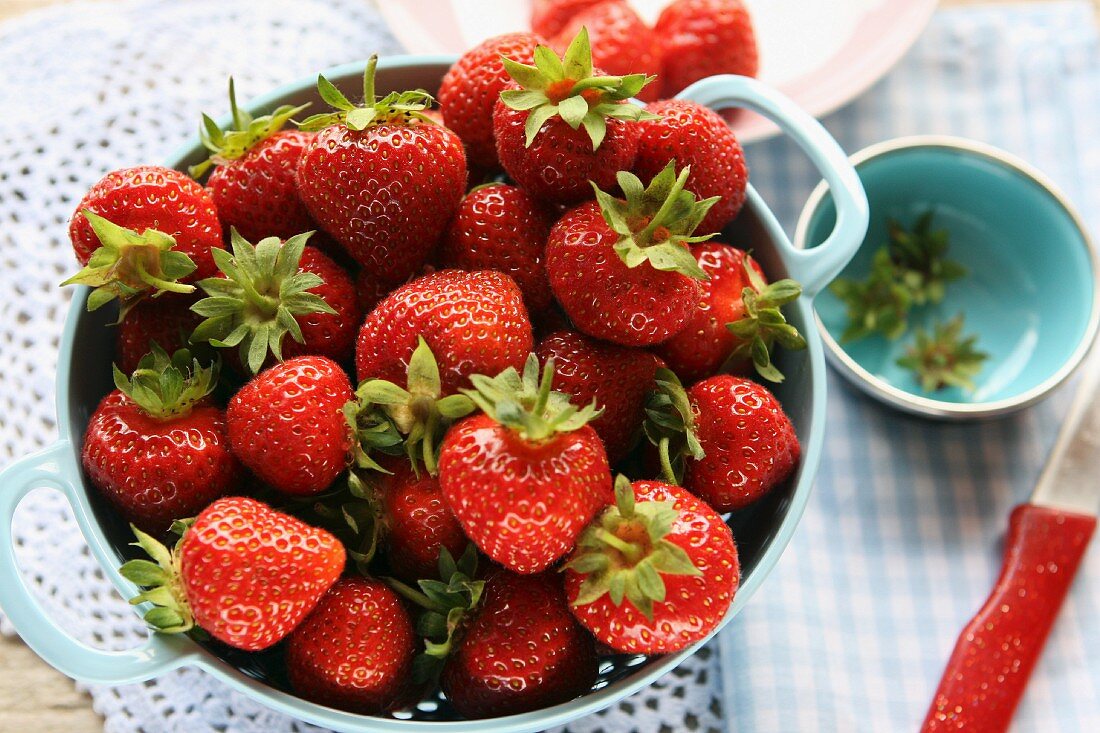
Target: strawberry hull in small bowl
{"type": "Point", "coordinates": [762, 530]}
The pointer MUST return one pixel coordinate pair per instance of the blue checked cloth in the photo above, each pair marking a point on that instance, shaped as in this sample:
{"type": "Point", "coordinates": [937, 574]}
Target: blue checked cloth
{"type": "Point", "coordinates": [902, 538]}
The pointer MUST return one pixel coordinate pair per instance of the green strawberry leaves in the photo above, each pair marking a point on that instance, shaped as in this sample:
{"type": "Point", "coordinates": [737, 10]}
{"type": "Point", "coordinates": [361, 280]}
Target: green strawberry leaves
{"type": "Point", "coordinates": [257, 303]}
{"type": "Point", "coordinates": [944, 358]}
{"type": "Point", "coordinates": [629, 569]}
{"type": "Point", "coordinates": [394, 108]}
{"type": "Point", "coordinates": [655, 223]}
{"type": "Point", "coordinates": [170, 612]}
{"type": "Point", "coordinates": [670, 426]}
{"type": "Point", "coordinates": [565, 87]}
{"type": "Point", "coordinates": [167, 387]}
{"type": "Point", "coordinates": [763, 324]}
{"type": "Point", "coordinates": [129, 266]}
{"type": "Point", "coordinates": [527, 402]}
{"type": "Point", "coordinates": [247, 131]}
{"type": "Point", "coordinates": [386, 417]}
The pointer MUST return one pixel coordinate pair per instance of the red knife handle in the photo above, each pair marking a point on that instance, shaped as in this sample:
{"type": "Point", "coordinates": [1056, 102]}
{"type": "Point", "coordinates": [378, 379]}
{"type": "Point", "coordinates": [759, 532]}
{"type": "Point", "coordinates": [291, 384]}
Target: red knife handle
{"type": "Point", "coordinates": [987, 672]}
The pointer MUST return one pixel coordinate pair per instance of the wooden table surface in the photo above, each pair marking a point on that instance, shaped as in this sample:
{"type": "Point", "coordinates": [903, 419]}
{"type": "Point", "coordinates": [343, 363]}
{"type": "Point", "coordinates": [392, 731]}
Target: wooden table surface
{"type": "Point", "coordinates": [33, 696]}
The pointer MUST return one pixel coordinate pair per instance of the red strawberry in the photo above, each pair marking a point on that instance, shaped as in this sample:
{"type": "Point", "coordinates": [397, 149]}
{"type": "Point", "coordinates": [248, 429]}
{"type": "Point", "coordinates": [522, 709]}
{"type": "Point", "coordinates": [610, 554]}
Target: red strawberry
{"type": "Point", "coordinates": [693, 135]}
{"type": "Point", "coordinates": [355, 650]}
{"type": "Point", "coordinates": [727, 436]}
{"type": "Point", "coordinates": [548, 17]}
{"type": "Point", "coordinates": [287, 424]}
{"type": "Point", "coordinates": [382, 179]}
{"type": "Point", "coordinates": [474, 322]}
{"type": "Point", "coordinates": [621, 269]}
{"type": "Point", "coordinates": [521, 650]}
{"type": "Point", "coordinates": [655, 573]}
{"type": "Point", "coordinates": [622, 43]}
{"type": "Point", "coordinates": [524, 478]}
{"type": "Point", "coordinates": [737, 320]}
{"type": "Point", "coordinates": [471, 87]}
{"type": "Point", "coordinates": [275, 289]}
{"type": "Point", "coordinates": [559, 132]}
{"type": "Point", "coordinates": [253, 184]}
{"type": "Point", "coordinates": [156, 447]}
{"type": "Point", "coordinates": [501, 227]}
{"type": "Point", "coordinates": [702, 38]}
{"type": "Point", "coordinates": [243, 572]}
{"type": "Point", "coordinates": [417, 521]}
{"type": "Point", "coordinates": [166, 320]}
{"type": "Point", "coordinates": [616, 378]}
{"type": "Point", "coordinates": [152, 197]}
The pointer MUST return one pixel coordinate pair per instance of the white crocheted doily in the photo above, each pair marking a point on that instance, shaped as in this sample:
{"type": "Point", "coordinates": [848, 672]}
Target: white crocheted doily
{"type": "Point", "coordinates": [88, 88]}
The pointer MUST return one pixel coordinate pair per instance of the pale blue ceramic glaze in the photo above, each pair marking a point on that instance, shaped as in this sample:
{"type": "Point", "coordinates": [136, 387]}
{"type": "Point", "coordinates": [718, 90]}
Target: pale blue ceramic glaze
{"type": "Point", "coordinates": [1030, 294]}
{"type": "Point", "coordinates": [763, 531]}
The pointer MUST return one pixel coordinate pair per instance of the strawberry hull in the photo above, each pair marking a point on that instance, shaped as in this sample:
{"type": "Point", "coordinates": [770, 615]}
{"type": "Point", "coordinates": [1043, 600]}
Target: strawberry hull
{"type": "Point", "coordinates": [762, 530]}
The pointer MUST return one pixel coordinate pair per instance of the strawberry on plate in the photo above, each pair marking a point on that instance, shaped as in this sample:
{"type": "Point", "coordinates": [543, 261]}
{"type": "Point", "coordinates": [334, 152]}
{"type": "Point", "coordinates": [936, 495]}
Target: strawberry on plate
{"type": "Point", "coordinates": [275, 289]}
{"type": "Point", "coordinates": [287, 425]}
{"type": "Point", "coordinates": [473, 322]}
{"type": "Point", "coordinates": [382, 179]}
{"type": "Point", "coordinates": [727, 437]}
{"type": "Point", "coordinates": [243, 572]}
{"type": "Point", "coordinates": [151, 197]}
{"type": "Point", "coordinates": [702, 38]}
{"type": "Point", "coordinates": [737, 322]}
{"type": "Point", "coordinates": [621, 41]}
{"type": "Point", "coordinates": [654, 573]}
{"type": "Point", "coordinates": [621, 269]}
{"type": "Point", "coordinates": [501, 227]}
{"type": "Point", "coordinates": [548, 17]}
{"type": "Point", "coordinates": [616, 378]}
{"type": "Point", "coordinates": [156, 447]}
{"type": "Point", "coordinates": [166, 321]}
{"type": "Point", "coordinates": [563, 125]}
{"type": "Point", "coordinates": [253, 184]}
{"type": "Point", "coordinates": [527, 476]}
{"type": "Point", "coordinates": [695, 136]}
{"type": "Point", "coordinates": [471, 87]}
{"type": "Point", "coordinates": [355, 650]}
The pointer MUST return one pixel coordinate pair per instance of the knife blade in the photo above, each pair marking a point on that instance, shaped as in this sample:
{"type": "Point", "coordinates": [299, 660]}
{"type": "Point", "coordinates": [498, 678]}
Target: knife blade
{"type": "Point", "coordinates": [1046, 540]}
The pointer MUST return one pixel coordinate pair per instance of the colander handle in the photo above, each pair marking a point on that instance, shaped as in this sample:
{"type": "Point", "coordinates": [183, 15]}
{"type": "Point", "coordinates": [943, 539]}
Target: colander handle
{"type": "Point", "coordinates": [49, 640]}
{"type": "Point", "coordinates": [814, 268]}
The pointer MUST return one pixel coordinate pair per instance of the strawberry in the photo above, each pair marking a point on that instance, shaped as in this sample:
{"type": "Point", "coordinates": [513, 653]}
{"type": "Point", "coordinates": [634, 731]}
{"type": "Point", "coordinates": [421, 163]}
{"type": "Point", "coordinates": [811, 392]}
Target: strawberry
{"type": "Point", "coordinates": [243, 572]}
{"type": "Point", "coordinates": [549, 17]}
{"type": "Point", "coordinates": [622, 43]}
{"type": "Point", "coordinates": [355, 650]}
{"type": "Point", "coordinates": [369, 292]}
{"type": "Point", "coordinates": [166, 321]}
{"type": "Point", "coordinates": [156, 447]}
{"type": "Point", "coordinates": [150, 197]}
{"type": "Point", "coordinates": [521, 650]}
{"type": "Point", "coordinates": [693, 135]}
{"type": "Point", "coordinates": [472, 86]}
{"type": "Point", "coordinates": [501, 227]}
{"type": "Point", "coordinates": [702, 38]}
{"type": "Point", "coordinates": [621, 268]}
{"type": "Point", "coordinates": [564, 125]}
{"type": "Point", "coordinates": [418, 522]}
{"type": "Point", "coordinates": [253, 182]}
{"type": "Point", "coordinates": [288, 427]}
{"type": "Point", "coordinates": [474, 322]}
{"type": "Point", "coordinates": [727, 437]}
{"type": "Point", "coordinates": [615, 378]}
{"type": "Point", "coordinates": [525, 477]}
{"type": "Point", "coordinates": [737, 320]}
{"type": "Point", "coordinates": [382, 179]}
{"type": "Point", "coordinates": [274, 289]}
{"type": "Point", "coordinates": [654, 573]}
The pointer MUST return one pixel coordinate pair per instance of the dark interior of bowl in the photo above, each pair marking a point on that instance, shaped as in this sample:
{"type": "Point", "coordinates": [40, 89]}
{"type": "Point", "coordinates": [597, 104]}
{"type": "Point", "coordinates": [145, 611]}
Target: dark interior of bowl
{"type": "Point", "coordinates": [754, 528]}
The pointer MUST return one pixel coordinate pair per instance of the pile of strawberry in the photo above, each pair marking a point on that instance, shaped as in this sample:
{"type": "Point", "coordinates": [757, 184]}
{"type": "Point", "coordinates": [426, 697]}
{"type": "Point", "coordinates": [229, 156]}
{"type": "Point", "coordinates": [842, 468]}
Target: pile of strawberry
{"type": "Point", "coordinates": [513, 342]}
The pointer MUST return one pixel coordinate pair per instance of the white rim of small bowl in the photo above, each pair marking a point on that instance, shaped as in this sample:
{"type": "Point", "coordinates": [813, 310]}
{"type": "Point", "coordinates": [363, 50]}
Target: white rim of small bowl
{"type": "Point", "coordinates": [915, 404]}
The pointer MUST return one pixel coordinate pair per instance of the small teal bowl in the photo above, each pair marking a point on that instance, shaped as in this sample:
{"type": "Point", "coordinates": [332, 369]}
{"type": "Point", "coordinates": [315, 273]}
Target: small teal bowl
{"type": "Point", "coordinates": [762, 530]}
{"type": "Point", "coordinates": [1030, 294]}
